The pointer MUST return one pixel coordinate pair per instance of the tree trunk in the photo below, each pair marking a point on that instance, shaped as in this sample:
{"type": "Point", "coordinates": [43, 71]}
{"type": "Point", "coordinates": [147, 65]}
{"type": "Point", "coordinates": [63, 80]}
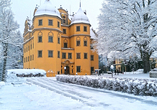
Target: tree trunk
{"type": "Point", "coordinates": [4, 61]}
{"type": "Point", "coordinates": [146, 63]}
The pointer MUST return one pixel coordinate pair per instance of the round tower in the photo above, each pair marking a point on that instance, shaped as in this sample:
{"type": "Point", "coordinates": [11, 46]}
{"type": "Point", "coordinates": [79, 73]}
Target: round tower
{"type": "Point", "coordinates": [46, 32]}
{"type": "Point", "coordinates": [80, 32]}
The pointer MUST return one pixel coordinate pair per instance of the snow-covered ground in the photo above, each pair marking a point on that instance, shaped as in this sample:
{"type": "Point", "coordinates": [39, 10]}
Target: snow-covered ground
{"type": "Point", "coordinates": [49, 94]}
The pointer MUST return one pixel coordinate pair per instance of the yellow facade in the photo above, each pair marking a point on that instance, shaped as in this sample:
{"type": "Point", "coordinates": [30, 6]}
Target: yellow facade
{"type": "Point", "coordinates": [63, 43]}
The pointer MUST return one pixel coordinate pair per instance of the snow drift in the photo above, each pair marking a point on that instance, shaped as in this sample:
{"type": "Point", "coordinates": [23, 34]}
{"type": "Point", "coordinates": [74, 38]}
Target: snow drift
{"type": "Point", "coordinates": [132, 86]}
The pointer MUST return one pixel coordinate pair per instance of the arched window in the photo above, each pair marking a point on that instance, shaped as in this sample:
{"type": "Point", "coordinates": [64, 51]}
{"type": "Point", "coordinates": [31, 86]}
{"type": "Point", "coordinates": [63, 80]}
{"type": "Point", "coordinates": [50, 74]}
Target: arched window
{"type": "Point", "coordinates": [78, 41]}
{"type": "Point", "coordinates": [58, 38]}
{"type": "Point", "coordinates": [50, 37]}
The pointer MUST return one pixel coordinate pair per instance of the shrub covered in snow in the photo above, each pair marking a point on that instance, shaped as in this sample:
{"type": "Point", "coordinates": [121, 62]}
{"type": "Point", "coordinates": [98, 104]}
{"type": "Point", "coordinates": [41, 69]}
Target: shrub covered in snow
{"type": "Point", "coordinates": [133, 86]}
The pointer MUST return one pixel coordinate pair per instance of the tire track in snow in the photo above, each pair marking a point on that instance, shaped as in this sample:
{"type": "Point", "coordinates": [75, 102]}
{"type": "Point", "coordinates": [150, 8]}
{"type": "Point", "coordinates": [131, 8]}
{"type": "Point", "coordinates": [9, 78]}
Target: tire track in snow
{"type": "Point", "coordinates": [74, 97]}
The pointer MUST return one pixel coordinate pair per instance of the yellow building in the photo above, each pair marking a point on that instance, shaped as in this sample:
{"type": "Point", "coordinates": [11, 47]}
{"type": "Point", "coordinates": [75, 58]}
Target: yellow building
{"type": "Point", "coordinates": [58, 44]}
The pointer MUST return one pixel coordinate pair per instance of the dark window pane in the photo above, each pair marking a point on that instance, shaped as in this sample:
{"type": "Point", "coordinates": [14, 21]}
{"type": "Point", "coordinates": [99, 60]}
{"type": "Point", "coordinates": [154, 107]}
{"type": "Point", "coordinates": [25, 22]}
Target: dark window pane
{"type": "Point", "coordinates": [92, 57]}
{"type": "Point", "coordinates": [40, 39]}
{"type": "Point", "coordinates": [85, 28]}
{"type": "Point", "coordinates": [50, 22]}
{"type": "Point", "coordinates": [77, 28]}
{"type": "Point", "coordinates": [78, 43]}
{"type": "Point", "coordinates": [85, 43]}
{"type": "Point", "coordinates": [78, 56]}
{"type": "Point", "coordinates": [64, 31]}
{"type": "Point", "coordinates": [58, 40]}
{"type": "Point", "coordinates": [63, 55]}
{"type": "Point", "coordinates": [65, 45]}
{"type": "Point", "coordinates": [69, 55]}
{"type": "Point", "coordinates": [58, 24]}
{"type": "Point", "coordinates": [78, 68]}
{"type": "Point", "coordinates": [58, 54]}
{"type": "Point", "coordinates": [50, 54]}
{"type": "Point", "coordinates": [50, 39]}
{"type": "Point", "coordinates": [40, 22]}
{"type": "Point", "coordinates": [85, 55]}
{"type": "Point", "coordinates": [39, 53]}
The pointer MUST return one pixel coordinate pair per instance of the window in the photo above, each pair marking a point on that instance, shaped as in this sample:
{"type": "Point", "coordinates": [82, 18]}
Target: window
{"type": "Point", "coordinates": [40, 22]}
{"type": "Point", "coordinates": [58, 40]}
{"type": "Point", "coordinates": [63, 55]}
{"type": "Point", "coordinates": [69, 55]}
{"type": "Point", "coordinates": [85, 55]}
{"type": "Point", "coordinates": [24, 60]}
{"type": "Point", "coordinates": [78, 43]}
{"type": "Point", "coordinates": [78, 68]}
{"type": "Point", "coordinates": [85, 43]}
{"type": "Point", "coordinates": [92, 57]}
{"type": "Point", "coordinates": [63, 20]}
{"type": "Point", "coordinates": [92, 69]}
{"type": "Point", "coordinates": [50, 53]}
{"type": "Point", "coordinates": [40, 53]}
{"type": "Point", "coordinates": [58, 54]}
{"type": "Point", "coordinates": [64, 31]}
{"type": "Point", "coordinates": [77, 28]}
{"type": "Point", "coordinates": [50, 22]}
{"type": "Point", "coordinates": [91, 46]}
{"type": "Point", "coordinates": [33, 57]}
{"type": "Point", "coordinates": [85, 28]}
{"type": "Point", "coordinates": [40, 39]}
{"type": "Point", "coordinates": [50, 39]}
{"type": "Point", "coordinates": [31, 46]}
{"type": "Point", "coordinates": [28, 58]}
{"type": "Point", "coordinates": [58, 72]}
{"type": "Point", "coordinates": [58, 24]}
{"type": "Point", "coordinates": [65, 45]}
{"type": "Point", "coordinates": [78, 55]}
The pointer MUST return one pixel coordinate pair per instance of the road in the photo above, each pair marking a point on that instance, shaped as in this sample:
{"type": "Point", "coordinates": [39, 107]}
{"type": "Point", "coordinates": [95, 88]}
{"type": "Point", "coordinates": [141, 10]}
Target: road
{"type": "Point", "coordinates": [98, 99]}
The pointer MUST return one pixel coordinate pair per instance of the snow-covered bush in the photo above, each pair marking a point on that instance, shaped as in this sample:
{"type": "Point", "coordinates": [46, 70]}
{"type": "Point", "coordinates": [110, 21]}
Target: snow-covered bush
{"type": "Point", "coordinates": [132, 86]}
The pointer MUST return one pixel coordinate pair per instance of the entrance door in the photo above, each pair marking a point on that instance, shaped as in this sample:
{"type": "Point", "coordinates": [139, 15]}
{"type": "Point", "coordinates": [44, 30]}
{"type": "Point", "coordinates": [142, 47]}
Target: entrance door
{"type": "Point", "coordinates": [67, 70]}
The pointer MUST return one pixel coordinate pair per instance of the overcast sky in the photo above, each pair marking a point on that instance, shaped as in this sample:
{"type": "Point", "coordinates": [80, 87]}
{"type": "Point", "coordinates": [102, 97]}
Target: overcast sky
{"type": "Point", "coordinates": [24, 8]}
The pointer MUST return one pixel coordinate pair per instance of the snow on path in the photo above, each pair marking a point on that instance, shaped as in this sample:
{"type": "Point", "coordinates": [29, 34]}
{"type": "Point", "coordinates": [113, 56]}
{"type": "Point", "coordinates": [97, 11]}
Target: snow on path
{"type": "Point", "coordinates": [98, 98]}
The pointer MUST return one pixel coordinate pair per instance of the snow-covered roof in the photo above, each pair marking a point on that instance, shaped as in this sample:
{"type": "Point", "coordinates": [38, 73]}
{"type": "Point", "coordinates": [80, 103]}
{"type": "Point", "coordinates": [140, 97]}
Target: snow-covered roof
{"type": "Point", "coordinates": [92, 34]}
{"type": "Point", "coordinates": [80, 17]}
{"type": "Point", "coordinates": [47, 9]}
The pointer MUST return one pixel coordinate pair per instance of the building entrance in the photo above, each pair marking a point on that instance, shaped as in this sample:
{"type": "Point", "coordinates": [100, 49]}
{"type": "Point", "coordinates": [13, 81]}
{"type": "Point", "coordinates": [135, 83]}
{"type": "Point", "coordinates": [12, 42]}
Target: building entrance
{"type": "Point", "coordinates": [67, 70]}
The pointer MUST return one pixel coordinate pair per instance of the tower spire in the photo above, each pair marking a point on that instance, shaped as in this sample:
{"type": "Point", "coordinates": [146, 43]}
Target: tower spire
{"type": "Point", "coordinates": [80, 3]}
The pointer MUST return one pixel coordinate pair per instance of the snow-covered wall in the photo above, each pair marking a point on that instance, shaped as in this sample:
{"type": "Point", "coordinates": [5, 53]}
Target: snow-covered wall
{"type": "Point", "coordinates": [132, 86]}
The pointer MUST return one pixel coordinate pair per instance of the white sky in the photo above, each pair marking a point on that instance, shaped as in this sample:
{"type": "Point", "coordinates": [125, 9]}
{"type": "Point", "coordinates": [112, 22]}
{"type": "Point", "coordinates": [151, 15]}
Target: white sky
{"type": "Point", "coordinates": [24, 8]}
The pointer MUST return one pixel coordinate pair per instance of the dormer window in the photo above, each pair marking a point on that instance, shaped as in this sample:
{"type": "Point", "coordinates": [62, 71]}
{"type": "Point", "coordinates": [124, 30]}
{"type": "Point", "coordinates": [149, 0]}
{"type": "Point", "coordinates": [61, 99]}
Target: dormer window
{"type": "Point", "coordinates": [40, 22]}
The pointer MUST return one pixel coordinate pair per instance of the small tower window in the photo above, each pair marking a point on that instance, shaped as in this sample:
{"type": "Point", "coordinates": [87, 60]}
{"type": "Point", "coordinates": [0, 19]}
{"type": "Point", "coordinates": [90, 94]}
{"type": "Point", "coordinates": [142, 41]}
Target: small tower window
{"type": "Point", "coordinates": [40, 22]}
{"type": "Point", "coordinates": [51, 22]}
{"type": "Point", "coordinates": [85, 28]}
{"type": "Point", "coordinates": [58, 24]}
{"type": "Point", "coordinates": [50, 39]}
{"type": "Point", "coordinates": [77, 28]}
